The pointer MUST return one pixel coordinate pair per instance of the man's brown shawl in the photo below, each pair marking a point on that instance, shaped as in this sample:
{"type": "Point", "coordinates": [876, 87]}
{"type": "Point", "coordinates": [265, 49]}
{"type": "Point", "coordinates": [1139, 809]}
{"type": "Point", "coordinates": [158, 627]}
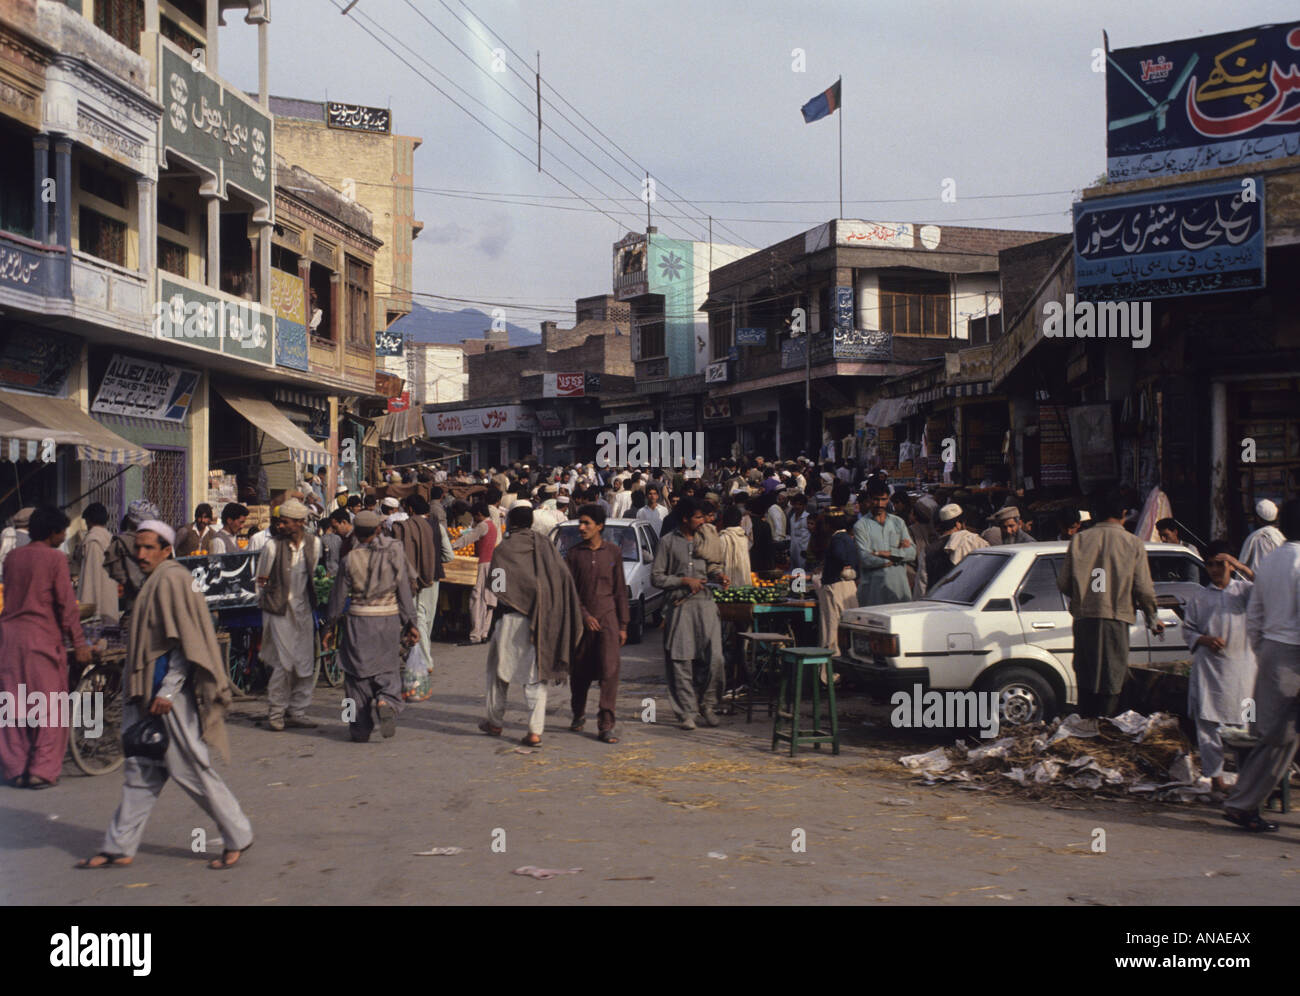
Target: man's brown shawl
{"type": "Point", "coordinates": [168, 614]}
{"type": "Point", "coordinates": [538, 584]}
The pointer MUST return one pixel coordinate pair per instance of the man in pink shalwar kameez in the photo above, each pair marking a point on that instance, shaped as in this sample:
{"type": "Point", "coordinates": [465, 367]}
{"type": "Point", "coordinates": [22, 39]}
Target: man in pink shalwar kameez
{"type": "Point", "coordinates": [40, 611]}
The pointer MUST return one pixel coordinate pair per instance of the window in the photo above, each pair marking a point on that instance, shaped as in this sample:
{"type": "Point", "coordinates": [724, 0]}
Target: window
{"type": "Point", "coordinates": [173, 217]}
{"type": "Point", "coordinates": [102, 237]}
{"type": "Point", "coordinates": [319, 320]}
{"type": "Point", "coordinates": [1176, 567]}
{"type": "Point", "coordinates": [173, 258]}
{"type": "Point", "coordinates": [652, 340]}
{"type": "Point", "coordinates": [122, 20]}
{"type": "Point", "coordinates": [174, 33]}
{"type": "Point", "coordinates": [910, 306]}
{"type": "Point", "coordinates": [102, 185]}
{"type": "Point", "coordinates": [966, 582]}
{"type": "Point", "coordinates": [359, 333]}
{"type": "Point", "coordinates": [720, 334]}
{"type": "Point", "coordinates": [1038, 592]}
{"type": "Point", "coordinates": [17, 213]}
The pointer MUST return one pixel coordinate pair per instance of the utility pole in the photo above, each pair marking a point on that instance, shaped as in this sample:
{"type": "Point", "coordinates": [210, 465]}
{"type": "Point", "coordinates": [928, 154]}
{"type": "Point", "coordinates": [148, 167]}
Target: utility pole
{"type": "Point", "coordinates": [539, 110]}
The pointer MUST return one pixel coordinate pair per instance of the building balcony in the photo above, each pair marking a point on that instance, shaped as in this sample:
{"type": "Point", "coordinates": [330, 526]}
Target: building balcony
{"type": "Point", "coordinates": [110, 295]}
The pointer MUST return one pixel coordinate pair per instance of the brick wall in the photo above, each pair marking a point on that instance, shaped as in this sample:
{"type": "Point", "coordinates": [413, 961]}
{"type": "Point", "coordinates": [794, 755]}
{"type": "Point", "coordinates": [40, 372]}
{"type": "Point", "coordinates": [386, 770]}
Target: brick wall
{"type": "Point", "coordinates": [589, 346]}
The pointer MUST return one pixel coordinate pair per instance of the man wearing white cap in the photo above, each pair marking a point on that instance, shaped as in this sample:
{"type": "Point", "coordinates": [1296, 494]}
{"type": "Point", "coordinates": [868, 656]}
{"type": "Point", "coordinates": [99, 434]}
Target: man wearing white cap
{"type": "Point", "coordinates": [1263, 540]}
{"type": "Point", "coordinates": [391, 509]}
{"type": "Point", "coordinates": [951, 546]}
{"type": "Point", "coordinates": [288, 599]}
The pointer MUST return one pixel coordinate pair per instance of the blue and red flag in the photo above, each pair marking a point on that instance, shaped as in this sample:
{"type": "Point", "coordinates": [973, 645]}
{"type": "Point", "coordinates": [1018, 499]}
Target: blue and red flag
{"type": "Point", "coordinates": [824, 104]}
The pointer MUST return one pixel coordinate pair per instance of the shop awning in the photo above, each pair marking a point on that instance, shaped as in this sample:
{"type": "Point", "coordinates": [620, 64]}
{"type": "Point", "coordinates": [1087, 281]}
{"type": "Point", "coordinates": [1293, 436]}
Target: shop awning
{"type": "Point", "coordinates": [263, 414]}
{"type": "Point", "coordinates": [398, 427]}
{"type": "Point", "coordinates": [35, 417]}
{"type": "Point", "coordinates": [891, 411]}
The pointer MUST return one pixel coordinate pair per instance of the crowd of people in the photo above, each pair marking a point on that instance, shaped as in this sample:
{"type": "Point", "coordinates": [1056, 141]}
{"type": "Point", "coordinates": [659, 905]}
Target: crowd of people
{"type": "Point", "coordinates": [548, 616]}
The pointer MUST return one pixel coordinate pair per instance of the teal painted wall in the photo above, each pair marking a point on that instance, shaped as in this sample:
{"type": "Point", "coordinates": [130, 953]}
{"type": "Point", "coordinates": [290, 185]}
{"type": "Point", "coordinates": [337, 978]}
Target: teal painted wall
{"type": "Point", "coordinates": [671, 269]}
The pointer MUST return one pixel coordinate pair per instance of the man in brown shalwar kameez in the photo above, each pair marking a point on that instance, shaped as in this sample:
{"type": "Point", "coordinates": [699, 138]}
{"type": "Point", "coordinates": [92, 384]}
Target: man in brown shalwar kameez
{"type": "Point", "coordinates": [597, 569]}
{"type": "Point", "coordinates": [173, 670]}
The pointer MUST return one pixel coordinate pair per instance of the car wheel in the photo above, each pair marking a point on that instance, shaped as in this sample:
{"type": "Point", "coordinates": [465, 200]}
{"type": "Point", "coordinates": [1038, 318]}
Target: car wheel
{"type": "Point", "coordinates": [636, 627]}
{"type": "Point", "coordinates": [1025, 696]}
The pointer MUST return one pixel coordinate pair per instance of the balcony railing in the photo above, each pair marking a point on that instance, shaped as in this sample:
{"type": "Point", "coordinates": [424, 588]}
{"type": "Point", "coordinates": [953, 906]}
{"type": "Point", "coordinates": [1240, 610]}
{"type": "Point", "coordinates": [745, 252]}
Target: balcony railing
{"type": "Point", "coordinates": [111, 294]}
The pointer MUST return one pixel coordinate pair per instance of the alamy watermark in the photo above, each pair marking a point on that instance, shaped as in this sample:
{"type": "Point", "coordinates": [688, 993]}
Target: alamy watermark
{"type": "Point", "coordinates": [24, 709]}
{"type": "Point", "coordinates": [936, 710]}
{"type": "Point", "coordinates": [244, 322]}
{"type": "Point", "coordinates": [651, 449]}
{"type": "Point", "coordinates": [1098, 320]}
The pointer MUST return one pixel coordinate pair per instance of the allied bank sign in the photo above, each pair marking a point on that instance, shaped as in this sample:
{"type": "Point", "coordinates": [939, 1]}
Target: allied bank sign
{"type": "Point", "coordinates": [1202, 239]}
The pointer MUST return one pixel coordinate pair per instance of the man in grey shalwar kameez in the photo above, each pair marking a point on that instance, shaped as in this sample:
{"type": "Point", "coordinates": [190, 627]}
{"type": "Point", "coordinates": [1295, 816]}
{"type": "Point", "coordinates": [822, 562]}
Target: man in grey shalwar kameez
{"type": "Point", "coordinates": [380, 616]}
{"type": "Point", "coordinates": [288, 600]}
{"type": "Point", "coordinates": [1223, 663]}
{"type": "Point", "coordinates": [692, 630]}
{"type": "Point", "coordinates": [885, 549]}
{"type": "Point", "coordinates": [173, 670]}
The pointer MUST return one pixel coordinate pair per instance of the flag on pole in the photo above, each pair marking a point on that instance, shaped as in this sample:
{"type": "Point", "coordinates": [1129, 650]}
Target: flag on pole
{"type": "Point", "coordinates": [825, 103]}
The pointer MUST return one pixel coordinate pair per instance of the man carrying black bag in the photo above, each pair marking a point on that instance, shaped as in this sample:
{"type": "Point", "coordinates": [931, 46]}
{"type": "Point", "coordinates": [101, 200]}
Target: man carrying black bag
{"type": "Point", "coordinates": [173, 664]}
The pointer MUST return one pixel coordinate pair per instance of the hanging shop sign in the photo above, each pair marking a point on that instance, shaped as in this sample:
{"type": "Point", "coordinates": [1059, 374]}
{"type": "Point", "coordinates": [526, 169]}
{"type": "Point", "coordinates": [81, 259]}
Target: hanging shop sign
{"type": "Point", "coordinates": [1203, 239]}
{"type": "Point", "coordinates": [226, 581]}
{"type": "Point", "coordinates": [716, 373]}
{"type": "Point", "coordinates": [36, 360]}
{"type": "Point", "coordinates": [388, 343]}
{"type": "Point", "coordinates": [751, 337]}
{"type": "Point", "coordinates": [144, 389]}
{"type": "Point", "coordinates": [400, 403]}
{"type": "Point", "coordinates": [475, 421]}
{"type": "Point", "coordinates": [716, 409]}
{"type": "Point", "coordinates": [1199, 103]}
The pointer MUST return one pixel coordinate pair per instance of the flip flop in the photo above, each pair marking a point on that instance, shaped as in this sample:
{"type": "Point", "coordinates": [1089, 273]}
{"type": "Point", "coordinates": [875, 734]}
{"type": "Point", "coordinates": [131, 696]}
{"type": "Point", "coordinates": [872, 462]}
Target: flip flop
{"type": "Point", "coordinates": [221, 864]}
{"type": "Point", "coordinates": [531, 740]}
{"type": "Point", "coordinates": [489, 729]}
{"type": "Point", "coordinates": [578, 725]}
{"type": "Point", "coordinates": [110, 861]}
{"type": "Point", "coordinates": [37, 782]}
{"type": "Point", "coordinates": [607, 737]}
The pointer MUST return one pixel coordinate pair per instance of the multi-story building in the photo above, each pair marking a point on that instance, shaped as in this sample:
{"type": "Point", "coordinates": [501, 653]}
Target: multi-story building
{"type": "Point", "coordinates": [435, 372]}
{"type": "Point", "coordinates": [870, 300]}
{"type": "Point", "coordinates": [139, 335]}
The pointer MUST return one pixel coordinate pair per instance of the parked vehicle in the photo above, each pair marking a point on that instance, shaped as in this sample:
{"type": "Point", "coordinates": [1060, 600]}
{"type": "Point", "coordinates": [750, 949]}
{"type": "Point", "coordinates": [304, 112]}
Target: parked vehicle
{"type": "Point", "coordinates": [998, 622]}
{"type": "Point", "coordinates": [638, 543]}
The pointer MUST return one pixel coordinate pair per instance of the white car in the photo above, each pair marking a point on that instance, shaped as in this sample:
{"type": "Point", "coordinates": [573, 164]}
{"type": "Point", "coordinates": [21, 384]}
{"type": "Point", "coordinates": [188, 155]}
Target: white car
{"type": "Point", "coordinates": [638, 542]}
{"type": "Point", "coordinates": [997, 622]}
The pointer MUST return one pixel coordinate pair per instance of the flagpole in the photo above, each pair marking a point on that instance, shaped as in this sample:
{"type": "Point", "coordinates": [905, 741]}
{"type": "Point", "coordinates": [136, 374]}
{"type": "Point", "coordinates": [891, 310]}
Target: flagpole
{"type": "Point", "coordinates": [840, 85]}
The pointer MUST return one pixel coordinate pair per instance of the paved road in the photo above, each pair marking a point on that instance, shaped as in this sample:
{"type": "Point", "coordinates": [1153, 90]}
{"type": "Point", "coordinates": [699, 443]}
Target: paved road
{"type": "Point", "coordinates": [664, 817]}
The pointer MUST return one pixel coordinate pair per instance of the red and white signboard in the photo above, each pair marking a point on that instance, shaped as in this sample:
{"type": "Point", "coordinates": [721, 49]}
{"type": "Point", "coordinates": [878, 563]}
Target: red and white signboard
{"type": "Point", "coordinates": [475, 421]}
{"type": "Point", "coordinates": [564, 385]}
{"type": "Point", "coordinates": [401, 403]}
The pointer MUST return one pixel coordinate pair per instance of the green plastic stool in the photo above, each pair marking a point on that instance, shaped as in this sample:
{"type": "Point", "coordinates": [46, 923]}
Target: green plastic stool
{"type": "Point", "coordinates": [793, 661]}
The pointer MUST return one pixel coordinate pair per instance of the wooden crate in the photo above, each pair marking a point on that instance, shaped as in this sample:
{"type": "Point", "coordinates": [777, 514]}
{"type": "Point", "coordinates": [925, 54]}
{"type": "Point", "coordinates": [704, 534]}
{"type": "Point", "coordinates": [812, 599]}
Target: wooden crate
{"type": "Point", "coordinates": [461, 570]}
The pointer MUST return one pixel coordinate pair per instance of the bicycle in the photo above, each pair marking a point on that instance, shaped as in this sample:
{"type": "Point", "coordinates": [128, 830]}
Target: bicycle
{"type": "Point", "coordinates": [328, 664]}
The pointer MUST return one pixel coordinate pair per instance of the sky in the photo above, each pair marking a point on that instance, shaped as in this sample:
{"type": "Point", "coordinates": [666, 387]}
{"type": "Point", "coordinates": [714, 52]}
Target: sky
{"type": "Point", "coordinates": [998, 97]}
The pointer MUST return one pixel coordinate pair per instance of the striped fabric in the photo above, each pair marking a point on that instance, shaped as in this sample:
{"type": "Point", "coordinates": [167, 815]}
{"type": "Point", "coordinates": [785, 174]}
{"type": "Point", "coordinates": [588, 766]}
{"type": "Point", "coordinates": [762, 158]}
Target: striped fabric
{"type": "Point", "coordinates": [31, 418]}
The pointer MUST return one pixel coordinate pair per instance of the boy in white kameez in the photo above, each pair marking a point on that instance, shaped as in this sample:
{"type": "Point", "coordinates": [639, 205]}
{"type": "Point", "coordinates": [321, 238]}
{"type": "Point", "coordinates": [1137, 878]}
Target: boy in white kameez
{"type": "Point", "coordinates": [1223, 663]}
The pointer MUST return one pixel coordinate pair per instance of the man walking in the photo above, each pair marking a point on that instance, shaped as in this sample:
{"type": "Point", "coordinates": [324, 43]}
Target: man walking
{"type": "Point", "coordinates": [538, 624]}
{"type": "Point", "coordinates": [173, 670]}
{"type": "Point", "coordinates": [597, 569]}
{"type": "Point", "coordinates": [40, 613]}
{"type": "Point", "coordinates": [380, 615]}
{"type": "Point", "coordinates": [1263, 540]}
{"type": "Point", "coordinates": [1273, 629]}
{"type": "Point", "coordinates": [1104, 576]}
{"type": "Point", "coordinates": [423, 548]}
{"type": "Point", "coordinates": [692, 629]}
{"type": "Point", "coordinates": [285, 569]}
{"type": "Point", "coordinates": [885, 549]}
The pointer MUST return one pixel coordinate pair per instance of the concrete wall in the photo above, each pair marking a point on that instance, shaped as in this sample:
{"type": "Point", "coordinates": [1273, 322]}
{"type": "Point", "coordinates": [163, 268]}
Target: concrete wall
{"type": "Point", "coordinates": [598, 347]}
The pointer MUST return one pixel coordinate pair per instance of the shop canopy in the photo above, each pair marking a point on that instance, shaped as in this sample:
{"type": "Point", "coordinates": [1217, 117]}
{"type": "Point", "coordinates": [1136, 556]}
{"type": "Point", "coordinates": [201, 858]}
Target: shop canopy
{"type": "Point", "coordinates": [28, 417]}
{"type": "Point", "coordinates": [891, 411]}
{"type": "Point", "coordinates": [398, 427]}
{"type": "Point", "coordinates": [263, 414]}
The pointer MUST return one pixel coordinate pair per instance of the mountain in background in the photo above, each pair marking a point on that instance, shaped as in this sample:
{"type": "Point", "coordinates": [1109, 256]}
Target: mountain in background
{"type": "Point", "coordinates": [450, 327]}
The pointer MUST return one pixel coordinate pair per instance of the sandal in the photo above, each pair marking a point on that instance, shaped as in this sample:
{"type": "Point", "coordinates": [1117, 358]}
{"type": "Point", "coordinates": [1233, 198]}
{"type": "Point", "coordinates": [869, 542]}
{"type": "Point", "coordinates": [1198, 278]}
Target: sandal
{"type": "Point", "coordinates": [607, 737]}
{"type": "Point", "coordinates": [578, 725]}
{"type": "Point", "coordinates": [110, 861]}
{"type": "Point", "coordinates": [531, 740]}
{"type": "Point", "coordinates": [37, 782]}
{"type": "Point", "coordinates": [1252, 822]}
{"type": "Point", "coordinates": [489, 729]}
{"type": "Point", "coordinates": [222, 864]}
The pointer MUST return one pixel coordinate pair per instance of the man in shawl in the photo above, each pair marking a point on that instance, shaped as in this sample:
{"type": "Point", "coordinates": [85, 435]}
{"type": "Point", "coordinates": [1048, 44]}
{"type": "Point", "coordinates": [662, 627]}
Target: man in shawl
{"type": "Point", "coordinates": [288, 599]}
{"type": "Point", "coordinates": [1223, 663]}
{"type": "Point", "coordinates": [597, 569]}
{"type": "Point", "coordinates": [422, 545]}
{"type": "Point", "coordinates": [692, 630]}
{"type": "Point", "coordinates": [1263, 540]}
{"type": "Point", "coordinates": [885, 549]}
{"type": "Point", "coordinates": [94, 586]}
{"type": "Point", "coordinates": [40, 613]}
{"type": "Point", "coordinates": [950, 547]}
{"type": "Point", "coordinates": [538, 623]}
{"type": "Point", "coordinates": [173, 671]}
{"type": "Point", "coordinates": [380, 615]}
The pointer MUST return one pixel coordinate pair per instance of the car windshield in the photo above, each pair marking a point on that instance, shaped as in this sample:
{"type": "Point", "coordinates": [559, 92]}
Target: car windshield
{"type": "Point", "coordinates": [623, 537]}
{"type": "Point", "coordinates": [967, 581]}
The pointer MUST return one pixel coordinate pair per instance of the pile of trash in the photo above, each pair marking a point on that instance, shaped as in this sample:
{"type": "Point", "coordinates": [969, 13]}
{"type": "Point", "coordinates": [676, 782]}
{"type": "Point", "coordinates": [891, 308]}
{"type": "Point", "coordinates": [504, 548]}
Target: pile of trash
{"type": "Point", "coordinates": [1127, 754]}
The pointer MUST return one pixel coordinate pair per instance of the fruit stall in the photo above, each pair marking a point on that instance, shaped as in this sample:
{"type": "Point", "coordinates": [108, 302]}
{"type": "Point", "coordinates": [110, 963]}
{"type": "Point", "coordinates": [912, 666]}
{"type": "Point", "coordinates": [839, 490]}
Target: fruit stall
{"type": "Point", "coordinates": [762, 597]}
{"type": "Point", "coordinates": [459, 575]}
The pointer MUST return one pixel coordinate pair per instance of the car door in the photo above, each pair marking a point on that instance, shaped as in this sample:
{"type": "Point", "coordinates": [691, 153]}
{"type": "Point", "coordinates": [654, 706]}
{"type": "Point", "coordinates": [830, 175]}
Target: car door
{"type": "Point", "coordinates": [1178, 574]}
{"type": "Point", "coordinates": [1138, 643]}
{"type": "Point", "coordinates": [1044, 618]}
